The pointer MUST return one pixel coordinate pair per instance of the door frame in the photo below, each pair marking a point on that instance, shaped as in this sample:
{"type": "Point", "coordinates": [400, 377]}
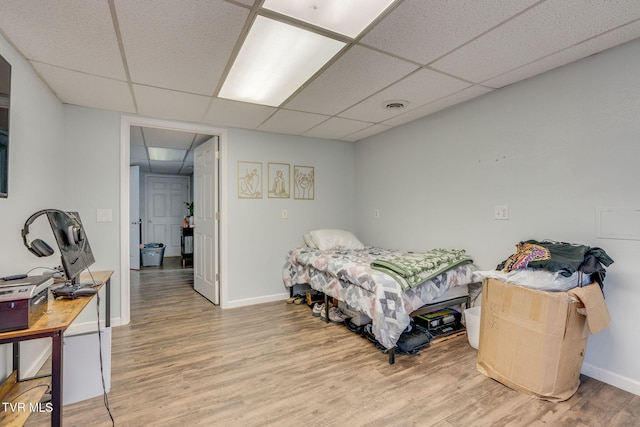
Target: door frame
{"type": "Point", "coordinates": [125, 155]}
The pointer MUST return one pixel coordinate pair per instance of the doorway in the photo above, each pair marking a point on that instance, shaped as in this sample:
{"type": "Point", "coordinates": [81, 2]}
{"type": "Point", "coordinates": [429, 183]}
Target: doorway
{"type": "Point", "coordinates": [165, 196]}
{"type": "Point", "coordinates": [126, 125]}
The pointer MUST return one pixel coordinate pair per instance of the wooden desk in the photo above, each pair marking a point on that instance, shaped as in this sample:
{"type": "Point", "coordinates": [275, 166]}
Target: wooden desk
{"type": "Point", "coordinates": [56, 320]}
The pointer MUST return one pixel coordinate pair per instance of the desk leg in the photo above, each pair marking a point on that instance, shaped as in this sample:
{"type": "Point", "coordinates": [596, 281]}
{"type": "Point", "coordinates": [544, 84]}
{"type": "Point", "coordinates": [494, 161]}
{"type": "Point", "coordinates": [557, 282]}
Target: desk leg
{"type": "Point", "coordinates": [16, 359]}
{"type": "Point", "coordinates": [107, 316]}
{"type": "Point", "coordinates": [56, 378]}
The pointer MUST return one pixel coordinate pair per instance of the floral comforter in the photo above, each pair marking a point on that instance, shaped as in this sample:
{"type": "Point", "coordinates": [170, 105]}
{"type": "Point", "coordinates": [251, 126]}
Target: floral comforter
{"type": "Point", "coordinates": [347, 275]}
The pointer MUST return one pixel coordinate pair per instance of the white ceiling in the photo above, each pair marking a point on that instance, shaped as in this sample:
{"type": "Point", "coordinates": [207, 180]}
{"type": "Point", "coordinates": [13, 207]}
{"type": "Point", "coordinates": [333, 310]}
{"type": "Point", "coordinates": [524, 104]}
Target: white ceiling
{"type": "Point", "coordinates": [168, 58]}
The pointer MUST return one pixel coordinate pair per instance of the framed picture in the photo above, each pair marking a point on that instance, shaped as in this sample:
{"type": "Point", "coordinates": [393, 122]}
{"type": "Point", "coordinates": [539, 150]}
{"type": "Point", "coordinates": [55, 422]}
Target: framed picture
{"type": "Point", "coordinates": [304, 182]}
{"type": "Point", "coordinates": [249, 180]}
{"type": "Point", "coordinates": [279, 185]}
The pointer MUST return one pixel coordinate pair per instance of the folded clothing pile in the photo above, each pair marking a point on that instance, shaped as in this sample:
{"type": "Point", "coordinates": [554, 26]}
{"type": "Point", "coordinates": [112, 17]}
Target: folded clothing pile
{"type": "Point", "coordinates": [567, 265]}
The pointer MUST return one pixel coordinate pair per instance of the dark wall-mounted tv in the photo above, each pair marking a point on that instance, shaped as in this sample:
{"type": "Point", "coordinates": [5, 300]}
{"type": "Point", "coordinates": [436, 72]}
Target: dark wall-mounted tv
{"type": "Point", "coordinates": [5, 92]}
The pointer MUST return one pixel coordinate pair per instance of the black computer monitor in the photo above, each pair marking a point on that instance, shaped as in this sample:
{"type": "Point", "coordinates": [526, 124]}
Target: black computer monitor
{"type": "Point", "coordinates": [73, 244]}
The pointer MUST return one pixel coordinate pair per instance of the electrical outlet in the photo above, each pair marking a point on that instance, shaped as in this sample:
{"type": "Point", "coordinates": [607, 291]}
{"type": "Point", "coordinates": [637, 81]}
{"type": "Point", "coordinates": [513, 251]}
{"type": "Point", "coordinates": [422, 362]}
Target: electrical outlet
{"type": "Point", "coordinates": [501, 212]}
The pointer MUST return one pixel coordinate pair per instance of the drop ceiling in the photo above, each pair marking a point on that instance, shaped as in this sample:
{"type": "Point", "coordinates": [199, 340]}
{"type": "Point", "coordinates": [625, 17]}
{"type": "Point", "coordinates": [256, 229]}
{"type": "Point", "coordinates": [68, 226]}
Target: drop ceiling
{"type": "Point", "coordinates": [168, 58]}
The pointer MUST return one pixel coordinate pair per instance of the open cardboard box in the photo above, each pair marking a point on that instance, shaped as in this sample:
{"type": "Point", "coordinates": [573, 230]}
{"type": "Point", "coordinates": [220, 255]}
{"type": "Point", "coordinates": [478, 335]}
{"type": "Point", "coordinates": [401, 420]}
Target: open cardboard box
{"type": "Point", "coordinates": [534, 341]}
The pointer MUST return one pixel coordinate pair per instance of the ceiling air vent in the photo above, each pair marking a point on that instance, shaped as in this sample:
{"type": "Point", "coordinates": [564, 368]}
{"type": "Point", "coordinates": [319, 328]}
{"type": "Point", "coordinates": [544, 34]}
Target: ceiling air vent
{"type": "Point", "coordinates": [395, 105]}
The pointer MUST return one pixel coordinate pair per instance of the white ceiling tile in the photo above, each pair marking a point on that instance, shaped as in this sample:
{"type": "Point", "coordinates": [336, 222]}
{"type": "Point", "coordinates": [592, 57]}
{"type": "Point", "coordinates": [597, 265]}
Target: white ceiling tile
{"type": "Point", "coordinates": [166, 138]}
{"type": "Point", "coordinates": [574, 53]}
{"type": "Point", "coordinates": [336, 128]}
{"type": "Point", "coordinates": [74, 34]}
{"type": "Point", "coordinates": [355, 76]}
{"type": "Point", "coordinates": [364, 133]}
{"type": "Point", "coordinates": [551, 26]}
{"type": "Point", "coordinates": [424, 30]}
{"type": "Point", "coordinates": [442, 103]}
{"type": "Point", "coordinates": [182, 45]}
{"type": "Point", "coordinates": [224, 112]}
{"type": "Point", "coordinates": [170, 104]}
{"type": "Point", "coordinates": [87, 90]}
{"type": "Point", "coordinates": [292, 122]}
{"type": "Point", "coordinates": [422, 87]}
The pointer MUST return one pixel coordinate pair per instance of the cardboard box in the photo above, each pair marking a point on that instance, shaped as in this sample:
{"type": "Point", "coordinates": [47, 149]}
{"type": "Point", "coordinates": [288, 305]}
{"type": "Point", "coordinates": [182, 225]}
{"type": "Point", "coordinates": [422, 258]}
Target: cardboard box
{"type": "Point", "coordinates": [535, 341]}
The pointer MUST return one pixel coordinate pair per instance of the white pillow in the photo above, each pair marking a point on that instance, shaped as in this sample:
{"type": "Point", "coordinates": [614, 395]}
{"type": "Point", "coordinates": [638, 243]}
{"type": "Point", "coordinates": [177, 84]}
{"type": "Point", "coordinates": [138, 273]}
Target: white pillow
{"type": "Point", "coordinates": [326, 239]}
{"type": "Point", "coordinates": [308, 240]}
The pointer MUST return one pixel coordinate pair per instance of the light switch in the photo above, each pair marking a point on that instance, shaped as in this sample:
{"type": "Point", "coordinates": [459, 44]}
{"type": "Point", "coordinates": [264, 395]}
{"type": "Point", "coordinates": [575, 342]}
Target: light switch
{"type": "Point", "coordinates": [501, 212]}
{"type": "Point", "coordinates": [104, 215]}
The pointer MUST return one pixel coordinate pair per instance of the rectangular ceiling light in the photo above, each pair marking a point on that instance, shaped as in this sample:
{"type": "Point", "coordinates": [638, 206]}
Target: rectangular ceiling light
{"type": "Point", "coordinates": [347, 17]}
{"type": "Point", "coordinates": [274, 61]}
{"type": "Point", "coordinates": [166, 154]}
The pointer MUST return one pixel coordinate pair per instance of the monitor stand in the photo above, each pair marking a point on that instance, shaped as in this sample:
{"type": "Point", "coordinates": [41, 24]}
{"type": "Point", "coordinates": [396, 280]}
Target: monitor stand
{"type": "Point", "coordinates": [84, 284]}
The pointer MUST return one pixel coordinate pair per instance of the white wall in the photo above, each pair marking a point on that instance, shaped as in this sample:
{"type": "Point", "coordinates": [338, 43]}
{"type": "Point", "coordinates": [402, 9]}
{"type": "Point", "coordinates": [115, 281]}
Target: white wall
{"type": "Point", "coordinates": [92, 179]}
{"type": "Point", "coordinates": [36, 132]}
{"type": "Point", "coordinates": [554, 149]}
{"type": "Point", "coordinates": [258, 237]}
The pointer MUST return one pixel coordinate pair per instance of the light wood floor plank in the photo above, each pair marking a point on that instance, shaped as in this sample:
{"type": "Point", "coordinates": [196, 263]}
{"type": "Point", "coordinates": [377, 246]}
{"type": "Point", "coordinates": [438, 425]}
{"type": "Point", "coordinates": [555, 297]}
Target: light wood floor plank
{"type": "Point", "coordinates": [183, 361]}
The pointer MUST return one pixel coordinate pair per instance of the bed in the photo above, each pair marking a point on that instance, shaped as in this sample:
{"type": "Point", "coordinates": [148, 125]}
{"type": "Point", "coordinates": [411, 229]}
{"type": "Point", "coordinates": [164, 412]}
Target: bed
{"type": "Point", "coordinates": [372, 281]}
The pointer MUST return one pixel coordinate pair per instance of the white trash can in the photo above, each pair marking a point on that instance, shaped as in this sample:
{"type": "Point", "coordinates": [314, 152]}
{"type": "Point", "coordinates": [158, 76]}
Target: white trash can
{"type": "Point", "coordinates": [472, 319]}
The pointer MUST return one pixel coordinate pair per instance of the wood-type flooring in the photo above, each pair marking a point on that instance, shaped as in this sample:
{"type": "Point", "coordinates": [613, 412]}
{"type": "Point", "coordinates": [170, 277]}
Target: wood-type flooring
{"type": "Point", "coordinates": [185, 362]}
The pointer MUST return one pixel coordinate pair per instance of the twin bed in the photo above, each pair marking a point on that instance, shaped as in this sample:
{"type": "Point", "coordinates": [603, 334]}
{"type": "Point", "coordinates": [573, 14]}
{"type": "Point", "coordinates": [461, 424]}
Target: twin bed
{"type": "Point", "coordinates": [386, 285]}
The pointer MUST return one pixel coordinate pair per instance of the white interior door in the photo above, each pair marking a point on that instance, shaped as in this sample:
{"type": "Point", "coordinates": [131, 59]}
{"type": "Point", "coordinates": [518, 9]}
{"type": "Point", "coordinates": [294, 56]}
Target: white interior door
{"type": "Point", "coordinates": [134, 217]}
{"type": "Point", "coordinates": [165, 196]}
{"type": "Point", "coordinates": [205, 186]}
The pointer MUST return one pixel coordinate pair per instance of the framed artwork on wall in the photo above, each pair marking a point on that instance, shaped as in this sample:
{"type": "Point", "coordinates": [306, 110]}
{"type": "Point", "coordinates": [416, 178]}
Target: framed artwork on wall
{"type": "Point", "coordinates": [249, 180]}
{"type": "Point", "coordinates": [279, 180]}
{"type": "Point", "coordinates": [304, 182]}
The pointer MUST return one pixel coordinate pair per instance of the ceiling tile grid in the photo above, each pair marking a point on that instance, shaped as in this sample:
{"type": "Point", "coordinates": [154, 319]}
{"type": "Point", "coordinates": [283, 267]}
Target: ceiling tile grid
{"type": "Point", "coordinates": [291, 122]}
{"type": "Point", "coordinates": [364, 133]}
{"type": "Point", "coordinates": [589, 47]}
{"type": "Point", "coordinates": [543, 30]}
{"type": "Point", "coordinates": [419, 88]}
{"type": "Point", "coordinates": [168, 58]}
{"type": "Point", "coordinates": [352, 78]}
{"type": "Point", "coordinates": [336, 128]}
{"type": "Point", "coordinates": [424, 30]}
{"type": "Point", "coordinates": [169, 104]}
{"type": "Point", "coordinates": [227, 113]}
{"type": "Point", "coordinates": [87, 90]}
{"type": "Point", "coordinates": [179, 45]}
{"type": "Point", "coordinates": [463, 95]}
{"type": "Point", "coordinates": [73, 34]}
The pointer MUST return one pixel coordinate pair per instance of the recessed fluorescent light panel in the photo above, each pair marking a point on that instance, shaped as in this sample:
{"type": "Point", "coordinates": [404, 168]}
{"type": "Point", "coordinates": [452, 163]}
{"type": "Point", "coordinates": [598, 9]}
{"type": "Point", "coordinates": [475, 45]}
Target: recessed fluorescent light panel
{"type": "Point", "coordinates": [274, 61]}
{"type": "Point", "coordinates": [166, 154]}
{"type": "Point", "coordinates": [347, 17]}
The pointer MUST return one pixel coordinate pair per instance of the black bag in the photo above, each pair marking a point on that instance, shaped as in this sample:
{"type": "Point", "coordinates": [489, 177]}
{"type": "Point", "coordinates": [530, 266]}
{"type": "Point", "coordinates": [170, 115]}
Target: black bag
{"type": "Point", "coordinates": [413, 340]}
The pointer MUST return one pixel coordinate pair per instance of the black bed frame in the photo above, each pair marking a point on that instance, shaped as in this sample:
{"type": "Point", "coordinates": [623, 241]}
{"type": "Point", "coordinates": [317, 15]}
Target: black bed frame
{"type": "Point", "coordinates": [427, 308]}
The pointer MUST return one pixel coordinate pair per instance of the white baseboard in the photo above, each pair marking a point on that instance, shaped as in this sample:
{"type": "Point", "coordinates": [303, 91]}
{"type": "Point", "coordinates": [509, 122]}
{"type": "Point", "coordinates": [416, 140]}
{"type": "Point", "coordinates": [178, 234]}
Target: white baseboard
{"type": "Point", "coordinates": [259, 300]}
{"type": "Point", "coordinates": [89, 327]}
{"type": "Point", "coordinates": [611, 378]}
